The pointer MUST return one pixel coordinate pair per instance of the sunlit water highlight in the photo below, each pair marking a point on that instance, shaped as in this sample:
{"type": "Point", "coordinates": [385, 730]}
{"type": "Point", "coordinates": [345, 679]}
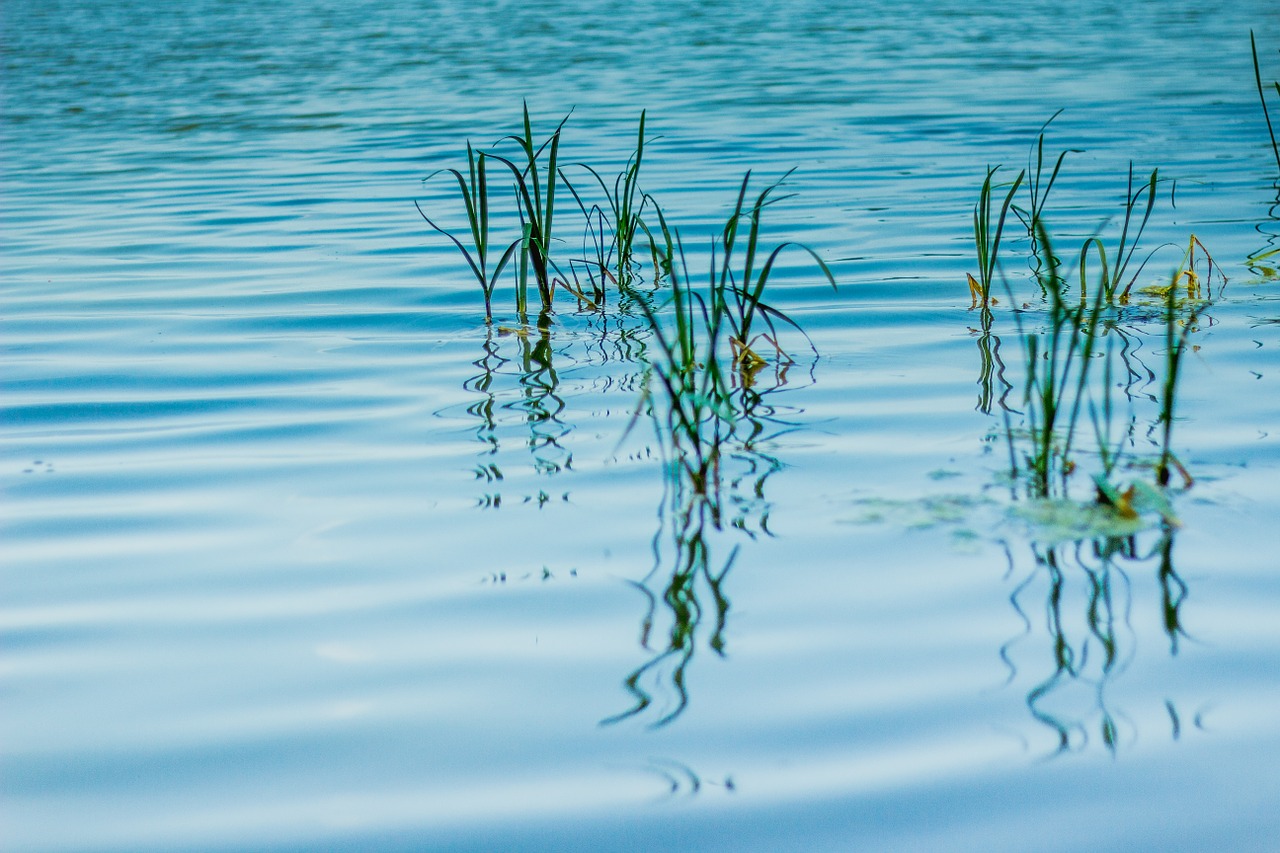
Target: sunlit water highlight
{"type": "Point", "coordinates": [298, 555]}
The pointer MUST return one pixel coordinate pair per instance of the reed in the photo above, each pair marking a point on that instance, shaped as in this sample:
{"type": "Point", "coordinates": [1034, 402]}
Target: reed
{"type": "Point", "coordinates": [1262, 96]}
{"type": "Point", "coordinates": [1058, 362]}
{"type": "Point", "coordinates": [614, 230]}
{"type": "Point", "coordinates": [986, 238]}
{"type": "Point", "coordinates": [474, 189]}
{"type": "Point", "coordinates": [737, 295]}
{"type": "Point", "coordinates": [1125, 249]}
{"type": "Point", "coordinates": [697, 413]}
{"type": "Point", "coordinates": [535, 190]}
{"type": "Point", "coordinates": [1039, 187]}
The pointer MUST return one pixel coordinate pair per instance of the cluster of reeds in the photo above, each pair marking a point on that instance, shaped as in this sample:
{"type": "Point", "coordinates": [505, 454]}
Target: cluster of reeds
{"type": "Point", "coordinates": [703, 343]}
{"type": "Point", "coordinates": [611, 227]}
{"type": "Point", "coordinates": [1067, 333]}
{"type": "Point", "coordinates": [708, 343]}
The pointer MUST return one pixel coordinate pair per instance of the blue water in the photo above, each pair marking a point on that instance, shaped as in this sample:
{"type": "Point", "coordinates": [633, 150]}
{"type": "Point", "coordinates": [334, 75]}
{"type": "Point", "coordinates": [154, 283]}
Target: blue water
{"type": "Point", "coordinates": [299, 554]}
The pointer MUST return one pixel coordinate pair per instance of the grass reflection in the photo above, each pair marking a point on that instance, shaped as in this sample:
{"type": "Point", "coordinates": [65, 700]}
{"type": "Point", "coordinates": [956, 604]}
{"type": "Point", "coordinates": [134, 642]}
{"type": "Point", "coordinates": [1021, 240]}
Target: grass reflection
{"type": "Point", "coordinates": [707, 398]}
{"type": "Point", "coordinates": [527, 356]}
{"type": "Point", "coordinates": [1088, 638]}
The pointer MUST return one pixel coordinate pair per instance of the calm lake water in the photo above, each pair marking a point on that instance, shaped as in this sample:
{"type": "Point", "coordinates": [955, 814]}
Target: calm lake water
{"type": "Point", "coordinates": [298, 554]}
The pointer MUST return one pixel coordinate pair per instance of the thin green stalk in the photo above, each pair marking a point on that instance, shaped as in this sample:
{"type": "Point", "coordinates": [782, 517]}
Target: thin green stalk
{"type": "Point", "coordinates": [740, 300]}
{"type": "Point", "coordinates": [625, 203]}
{"type": "Point", "coordinates": [1122, 257]}
{"type": "Point", "coordinates": [1038, 189]}
{"type": "Point", "coordinates": [474, 188]}
{"type": "Point", "coordinates": [536, 203]}
{"type": "Point", "coordinates": [1257, 76]}
{"type": "Point", "coordinates": [986, 240]}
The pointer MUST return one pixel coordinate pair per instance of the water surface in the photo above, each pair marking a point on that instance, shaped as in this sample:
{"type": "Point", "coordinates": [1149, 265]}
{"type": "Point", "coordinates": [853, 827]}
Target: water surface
{"type": "Point", "coordinates": [299, 554]}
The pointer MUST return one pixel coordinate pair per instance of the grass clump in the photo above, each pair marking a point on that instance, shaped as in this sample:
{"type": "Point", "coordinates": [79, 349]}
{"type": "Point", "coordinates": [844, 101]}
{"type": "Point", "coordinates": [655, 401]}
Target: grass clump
{"type": "Point", "coordinates": [613, 227]}
{"type": "Point", "coordinates": [1069, 341]}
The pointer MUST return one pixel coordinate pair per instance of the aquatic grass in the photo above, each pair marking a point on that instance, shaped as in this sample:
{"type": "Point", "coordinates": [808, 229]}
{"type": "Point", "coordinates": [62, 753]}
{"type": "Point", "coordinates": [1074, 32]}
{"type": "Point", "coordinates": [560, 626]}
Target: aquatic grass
{"type": "Point", "coordinates": [535, 191]}
{"type": "Point", "coordinates": [1038, 187]}
{"type": "Point", "coordinates": [1124, 248]}
{"type": "Point", "coordinates": [739, 296]}
{"type": "Point", "coordinates": [474, 189]}
{"type": "Point", "coordinates": [695, 387]}
{"type": "Point", "coordinates": [1059, 361]}
{"type": "Point", "coordinates": [705, 337]}
{"type": "Point", "coordinates": [986, 238]}
{"type": "Point", "coordinates": [622, 221]}
{"type": "Point", "coordinates": [1113, 274]}
{"type": "Point", "coordinates": [1060, 381]}
{"type": "Point", "coordinates": [1262, 96]}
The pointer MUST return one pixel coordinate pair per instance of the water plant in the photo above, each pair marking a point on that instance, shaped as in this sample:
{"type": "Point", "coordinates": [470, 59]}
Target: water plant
{"type": "Point", "coordinates": [986, 238]}
{"type": "Point", "coordinates": [1063, 344]}
{"type": "Point", "coordinates": [700, 397]}
{"type": "Point", "coordinates": [739, 296]}
{"type": "Point", "coordinates": [1057, 363]}
{"type": "Point", "coordinates": [474, 188]}
{"type": "Point", "coordinates": [536, 205]}
{"type": "Point", "coordinates": [708, 340]}
{"type": "Point", "coordinates": [1039, 187]}
{"type": "Point", "coordinates": [615, 227]}
{"type": "Point", "coordinates": [1061, 359]}
{"type": "Point", "coordinates": [1262, 96]}
{"type": "Point", "coordinates": [1112, 277]}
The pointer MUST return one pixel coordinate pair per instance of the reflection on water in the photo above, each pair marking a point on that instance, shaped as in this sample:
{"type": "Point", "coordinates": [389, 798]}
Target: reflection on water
{"type": "Point", "coordinates": [1264, 262]}
{"type": "Point", "coordinates": [685, 591]}
{"type": "Point", "coordinates": [682, 780]}
{"type": "Point", "coordinates": [1082, 553]}
{"type": "Point", "coordinates": [534, 398]}
{"type": "Point", "coordinates": [1085, 631]}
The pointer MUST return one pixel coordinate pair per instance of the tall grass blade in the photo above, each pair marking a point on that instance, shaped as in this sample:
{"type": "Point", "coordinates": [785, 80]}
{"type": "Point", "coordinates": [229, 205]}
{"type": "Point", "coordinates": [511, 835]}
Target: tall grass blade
{"type": "Point", "coordinates": [1257, 76]}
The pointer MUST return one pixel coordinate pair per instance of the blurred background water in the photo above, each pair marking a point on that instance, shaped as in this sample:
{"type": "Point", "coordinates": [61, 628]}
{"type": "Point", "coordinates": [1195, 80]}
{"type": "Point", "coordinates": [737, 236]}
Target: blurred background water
{"type": "Point", "coordinates": [298, 554]}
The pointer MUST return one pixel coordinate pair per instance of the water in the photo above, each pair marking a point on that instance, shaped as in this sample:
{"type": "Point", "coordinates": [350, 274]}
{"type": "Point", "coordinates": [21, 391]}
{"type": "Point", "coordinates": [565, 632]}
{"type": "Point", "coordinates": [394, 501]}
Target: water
{"type": "Point", "coordinates": [263, 589]}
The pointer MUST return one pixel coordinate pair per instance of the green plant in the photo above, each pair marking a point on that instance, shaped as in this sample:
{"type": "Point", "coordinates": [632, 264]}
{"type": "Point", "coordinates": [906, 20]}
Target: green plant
{"type": "Point", "coordinates": [1262, 96]}
{"type": "Point", "coordinates": [697, 414]}
{"type": "Point", "coordinates": [1113, 278]}
{"type": "Point", "coordinates": [474, 188]}
{"type": "Point", "coordinates": [614, 231]}
{"type": "Point", "coordinates": [987, 239]}
{"type": "Point", "coordinates": [1058, 360]}
{"type": "Point", "coordinates": [739, 297]}
{"type": "Point", "coordinates": [1038, 188]}
{"type": "Point", "coordinates": [535, 204]}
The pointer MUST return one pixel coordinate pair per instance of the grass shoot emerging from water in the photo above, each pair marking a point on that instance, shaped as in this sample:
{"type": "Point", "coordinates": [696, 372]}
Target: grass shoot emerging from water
{"type": "Point", "coordinates": [1262, 96]}
{"type": "Point", "coordinates": [1068, 354]}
